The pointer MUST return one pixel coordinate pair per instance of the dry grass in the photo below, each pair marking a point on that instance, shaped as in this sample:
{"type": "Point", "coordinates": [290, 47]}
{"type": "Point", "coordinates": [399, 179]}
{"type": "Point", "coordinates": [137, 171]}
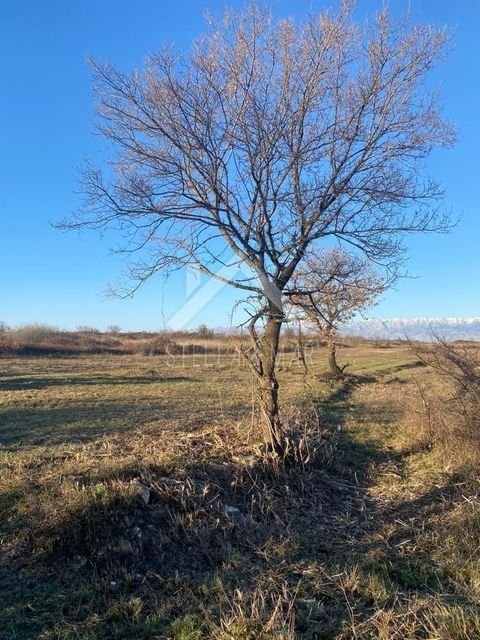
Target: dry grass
{"type": "Point", "coordinates": [135, 503]}
{"type": "Point", "coordinates": [445, 416]}
{"type": "Point", "coordinates": [37, 339]}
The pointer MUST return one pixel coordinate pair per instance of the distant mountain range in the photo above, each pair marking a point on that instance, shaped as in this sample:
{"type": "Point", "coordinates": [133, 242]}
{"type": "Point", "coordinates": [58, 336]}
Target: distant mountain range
{"type": "Point", "coordinates": [416, 328]}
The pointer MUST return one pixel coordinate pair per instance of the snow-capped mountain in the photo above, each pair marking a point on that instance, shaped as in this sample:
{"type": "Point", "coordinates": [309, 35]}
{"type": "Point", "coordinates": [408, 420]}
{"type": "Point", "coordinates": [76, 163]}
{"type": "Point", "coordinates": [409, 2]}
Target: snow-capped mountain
{"type": "Point", "coordinates": [416, 328]}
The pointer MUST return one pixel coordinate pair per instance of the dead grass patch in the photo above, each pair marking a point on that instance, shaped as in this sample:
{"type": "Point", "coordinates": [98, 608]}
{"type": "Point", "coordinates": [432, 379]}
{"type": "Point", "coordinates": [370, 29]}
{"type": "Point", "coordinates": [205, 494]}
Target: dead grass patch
{"type": "Point", "coordinates": [135, 502]}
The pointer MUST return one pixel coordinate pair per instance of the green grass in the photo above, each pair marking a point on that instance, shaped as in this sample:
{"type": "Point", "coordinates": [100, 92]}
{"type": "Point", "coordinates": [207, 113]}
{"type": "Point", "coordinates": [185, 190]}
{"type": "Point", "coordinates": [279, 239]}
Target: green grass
{"type": "Point", "coordinates": [372, 537]}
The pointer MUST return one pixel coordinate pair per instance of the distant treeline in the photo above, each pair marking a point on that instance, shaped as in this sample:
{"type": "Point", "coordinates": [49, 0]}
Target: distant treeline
{"type": "Point", "coordinates": [41, 339]}
{"type": "Point", "coordinates": [46, 340]}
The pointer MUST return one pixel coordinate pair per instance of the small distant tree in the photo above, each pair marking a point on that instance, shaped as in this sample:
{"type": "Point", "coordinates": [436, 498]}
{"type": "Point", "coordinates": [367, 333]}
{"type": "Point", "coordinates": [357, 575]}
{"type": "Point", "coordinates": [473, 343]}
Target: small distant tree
{"type": "Point", "coordinates": [113, 328]}
{"type": "Point", "coordinates": [264, 140]}
{"type": "Point", "coordinates": [333, 287]}
{"type": "Point", "coordinates": [204, 331]}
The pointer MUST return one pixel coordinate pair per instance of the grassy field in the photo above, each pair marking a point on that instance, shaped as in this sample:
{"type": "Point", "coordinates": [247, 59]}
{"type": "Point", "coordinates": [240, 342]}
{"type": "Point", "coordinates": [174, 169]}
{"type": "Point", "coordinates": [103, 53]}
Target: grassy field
{"type": "Point", "coordinates": [135, 504]}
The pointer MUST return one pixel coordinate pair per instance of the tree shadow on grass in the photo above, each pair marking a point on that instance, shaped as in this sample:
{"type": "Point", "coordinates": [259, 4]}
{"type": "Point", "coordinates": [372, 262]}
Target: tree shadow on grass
{"type": "Point", "coordinates": [35, 383]}
{"type": "Point", "coordinates": [74, 422]}
{"type": "Point", "coordinates": [398, 368]}
{"type": "Point", "coordinates": [112, 566]}
{"type": "Point", "coordinates": [96, 561]}
{"type": "Point", "coordinates": [87, 420]}
{"type": "Point", "coordinates": [204, 536]}
{"type": "Point", "coordinates": [178, 550]}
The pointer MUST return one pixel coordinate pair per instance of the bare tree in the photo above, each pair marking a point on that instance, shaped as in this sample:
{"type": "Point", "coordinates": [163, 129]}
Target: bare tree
{"type": "Point", "coordinates": [266, 138]}
{"type": "Point", "coordinates": [332, 287]}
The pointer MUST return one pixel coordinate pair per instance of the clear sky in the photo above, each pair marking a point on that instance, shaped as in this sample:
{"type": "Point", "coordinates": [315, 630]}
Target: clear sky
{"type": "Point", "coordinates": [47, 125]}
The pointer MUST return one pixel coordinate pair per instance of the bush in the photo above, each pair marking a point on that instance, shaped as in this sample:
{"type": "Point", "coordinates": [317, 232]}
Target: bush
{"type": "Point", "coordinates": [83, 328]}
{"type": "Point", "coordinates": [159, 345]}
{"type": "Point", "coordinates": [34, 334]}
{"type": "Point", "coordinates": [203, 331]}
{"type": "Point", "coordinates": [450, 419]}
{"type": "Point", "coordinates": [113, 328]}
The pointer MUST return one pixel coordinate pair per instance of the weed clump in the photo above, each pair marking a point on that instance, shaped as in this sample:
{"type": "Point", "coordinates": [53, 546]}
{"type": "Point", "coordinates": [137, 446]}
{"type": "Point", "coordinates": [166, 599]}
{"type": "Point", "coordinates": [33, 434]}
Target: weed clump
{"type": "Point", "coordinates": [447, 419]}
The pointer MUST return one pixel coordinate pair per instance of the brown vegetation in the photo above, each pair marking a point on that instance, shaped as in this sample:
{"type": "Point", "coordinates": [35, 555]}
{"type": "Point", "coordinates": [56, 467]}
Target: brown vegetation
{"type": "Point", "coordinates": [44, 340]}
{"type": "Point", "coordinates": [136, 502]}
{"type": "Point", "coordinates": [38, 339]}
{"type": "Point", "coordinates": [448, 419]}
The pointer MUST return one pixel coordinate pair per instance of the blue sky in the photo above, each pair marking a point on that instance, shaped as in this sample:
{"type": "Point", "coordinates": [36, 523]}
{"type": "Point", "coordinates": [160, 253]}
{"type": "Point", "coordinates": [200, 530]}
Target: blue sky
{"type": "Point", "coordinates": [47, 125]}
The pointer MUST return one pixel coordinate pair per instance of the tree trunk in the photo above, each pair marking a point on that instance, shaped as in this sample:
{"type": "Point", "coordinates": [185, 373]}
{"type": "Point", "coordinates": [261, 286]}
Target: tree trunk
{"type": "Point", "coordinates": [301, 350]}
{"type": "Point", "coordinates": [268, 383]}
{"type": "Point", "coordinates": [332, 358]}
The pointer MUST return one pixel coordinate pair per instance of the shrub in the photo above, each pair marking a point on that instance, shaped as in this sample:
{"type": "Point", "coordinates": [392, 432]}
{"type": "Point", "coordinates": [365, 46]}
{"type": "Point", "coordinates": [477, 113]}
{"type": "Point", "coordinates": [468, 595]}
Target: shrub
{"type": "Point", "coordinates": [113, 328]}
{"type": "Point", "coordinates": [159, 345]}
{"type": "Point", "coordinates": [83, 328]}
{"type": "Point", "coordinates": [34, 334]}
{"type": "Point", "coordinates": [450, 418]}
{"type": "Point", "coordinates": [205, 332]}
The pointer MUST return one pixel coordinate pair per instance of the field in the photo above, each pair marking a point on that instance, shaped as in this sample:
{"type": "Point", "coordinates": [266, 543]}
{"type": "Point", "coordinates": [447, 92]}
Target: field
{"type": "Point", "coordinates": [135, 503]}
